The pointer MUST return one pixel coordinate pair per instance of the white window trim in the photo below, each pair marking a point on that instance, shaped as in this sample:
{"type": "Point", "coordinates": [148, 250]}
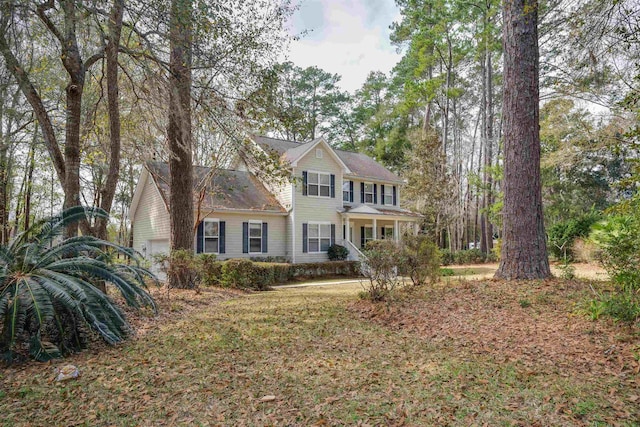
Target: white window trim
{"type": "Point", "coordinates": [388, 198]}
{"type": "Point", "coordinates": [249, 236]}
{"type": "Point", "coordinates": [204, 235]}
{"type": "Point", "coordinates": [386, 229]}
{"type": "Point", "coordinates": [373, 200]}
{"type": "Point", "coordinates": [346, 191]}
{"type": "Point", "coordinates": [319, 238]}
{"type": "Point", "coordinates": [318, 184]}
{"type": "Point", "coordinates": [367, 240]}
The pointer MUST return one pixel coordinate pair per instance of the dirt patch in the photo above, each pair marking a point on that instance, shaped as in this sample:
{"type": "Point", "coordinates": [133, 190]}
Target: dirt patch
{"type": "Point", "coordinates": [534, 323]}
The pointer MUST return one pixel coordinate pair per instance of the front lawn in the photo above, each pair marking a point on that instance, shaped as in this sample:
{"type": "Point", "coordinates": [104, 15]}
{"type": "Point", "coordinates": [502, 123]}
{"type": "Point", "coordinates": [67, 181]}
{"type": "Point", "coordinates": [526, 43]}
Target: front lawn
{"type": "Point", "coordinates": [318, 356]}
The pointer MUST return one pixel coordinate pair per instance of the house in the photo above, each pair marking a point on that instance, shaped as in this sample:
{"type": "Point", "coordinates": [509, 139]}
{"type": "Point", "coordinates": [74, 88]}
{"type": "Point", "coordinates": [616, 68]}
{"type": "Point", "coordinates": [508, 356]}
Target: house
{"type": "Point", "coordinates": [334, 196]}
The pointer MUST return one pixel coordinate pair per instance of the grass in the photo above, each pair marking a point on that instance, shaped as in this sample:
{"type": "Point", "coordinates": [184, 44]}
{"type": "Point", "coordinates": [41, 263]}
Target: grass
{"type": "Point", "coordinates": [327, 358]}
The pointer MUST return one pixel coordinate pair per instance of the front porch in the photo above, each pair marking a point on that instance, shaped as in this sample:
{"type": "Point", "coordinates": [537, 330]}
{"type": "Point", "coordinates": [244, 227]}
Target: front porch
{"type": "Point", "coordinates": [364, 223]}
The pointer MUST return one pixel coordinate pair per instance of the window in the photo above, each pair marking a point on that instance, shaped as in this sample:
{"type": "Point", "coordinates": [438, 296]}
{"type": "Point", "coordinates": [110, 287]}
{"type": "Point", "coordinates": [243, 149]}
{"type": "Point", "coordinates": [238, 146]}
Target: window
{"type": "Point", "coordinates": [211, 236]}
{"type": "Point", "coordinates": [255, 237]}
{"type": "Point", "coordinates": [387, 232]}
{"type": "Point", "coordinates": [387, 195]}
{"type": "Point", "coordinates": [318, 184]}
{"type": "Point", "coordinates": [319, 238]}
{"type": "Point", "coordinates": [319, 153]}
{"type": "Point", "coordinates": [368, 192]}
{"type": "Point", "coordinates": [346, 191]}
{"type": "Point", "coordinates": [368, 235]}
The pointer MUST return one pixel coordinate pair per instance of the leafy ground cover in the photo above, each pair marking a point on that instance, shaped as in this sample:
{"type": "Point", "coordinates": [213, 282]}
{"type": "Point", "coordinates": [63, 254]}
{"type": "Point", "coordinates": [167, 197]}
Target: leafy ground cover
{"type": "Point", "coordinates": [463, 353]}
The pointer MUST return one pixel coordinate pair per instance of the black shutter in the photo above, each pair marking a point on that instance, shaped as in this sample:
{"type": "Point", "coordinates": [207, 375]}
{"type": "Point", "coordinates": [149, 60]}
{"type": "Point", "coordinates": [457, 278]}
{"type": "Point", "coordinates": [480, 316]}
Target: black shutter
{"type": "Point", "coordinates": [222, 229]}
{"type": "Point", "coordinates": [395, 197]}
{"type": "Point", "coordinates": [351, 191]}
{"type": "Point", "coordinates": [344, 231]}
{"type": "Point", "coordinates": [264, 238]}
{"type": "Point", "coordinates": [362, 192]}
{"type": "Point", "coordinates": [304, 183]}
{"type": "Point", "coordinates": [333, 186]}
{"type": "Point", "coordinates": [333, 234]}
{"type": "Point", "coordinates": [362, 237]}
{"type": "Point", "coordinates": [200, 238]}
{"type": "Point", "coordinates": [305, 248]}
{"type": "Point", "coordinates": [382, 236]}
{"type": "Point", "coordinates": [375, 194]}
{"type": "Point", "coordinates": [245, 237]}
{"type": "Point", "coordinates": [382, 194]}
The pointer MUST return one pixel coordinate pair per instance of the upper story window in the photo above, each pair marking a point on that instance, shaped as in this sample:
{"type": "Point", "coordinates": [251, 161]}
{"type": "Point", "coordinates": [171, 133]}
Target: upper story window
{"type": "Point", "coordinates": [387, 195]}
{"type": "Point", "coordinates": [319, 184]}
{"type": "Point", "coordinates": [211, 236]}
{"type": "Point", "coordinates": [319, 153]}
{"type": "Point", "coordinates": [368, 192]}
{"type": "Point", "coordinates": [347, 191]}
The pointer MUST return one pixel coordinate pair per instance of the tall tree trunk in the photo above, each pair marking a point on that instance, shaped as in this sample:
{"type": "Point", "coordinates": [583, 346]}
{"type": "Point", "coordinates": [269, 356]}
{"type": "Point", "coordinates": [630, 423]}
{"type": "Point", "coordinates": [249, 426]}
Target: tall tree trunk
{"type": "Point", "coordinates": [524, 251]}
{"type": "Point", "coordinates": [179, 133]}
{"type": "Point", "coordinates": [489, 147]}
{"type": "Point", "coordinates": [31, 159]}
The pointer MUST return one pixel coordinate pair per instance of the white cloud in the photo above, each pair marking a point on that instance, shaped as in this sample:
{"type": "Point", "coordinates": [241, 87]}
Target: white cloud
{"type": "Point", "coordinates": [349, 38]}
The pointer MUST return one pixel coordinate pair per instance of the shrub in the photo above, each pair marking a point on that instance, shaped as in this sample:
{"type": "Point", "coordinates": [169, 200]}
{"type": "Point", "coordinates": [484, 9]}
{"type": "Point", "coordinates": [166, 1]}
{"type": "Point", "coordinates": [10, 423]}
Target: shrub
{"type": "Point", "coordinates": [208, 269]}
{"type": "Point", "coordinates": [563, 234]}
{"type": "Point", "coordinates": [446, 257]}
{"type": "Point", "coordinates": [384, 258]}
{"type": "Point", "coordinates": [238, 273]}
{"type": "Point", "coordinates": [337, 253]}
{"type": "Point", "coordinates": [421, 260]}
{"type": "Point", "coordinates": [48, 291]}
{"type": "Point", "coordinates": [182, 264]}
{"type": "Point", "coordinates": [469, 256]}
{"type": "Point", "coordinates": [268, 274]}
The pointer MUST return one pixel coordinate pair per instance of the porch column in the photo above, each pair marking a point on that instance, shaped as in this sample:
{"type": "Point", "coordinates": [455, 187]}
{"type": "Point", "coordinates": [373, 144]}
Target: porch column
{"type": "Point", "coordinates": [375, 229]}
{"type": "Point", "coordinates": [348, 232]}
{"type": "Point", "coordinates": [396, 233]}
{"type": "Point", "coordinates": [416, 229]}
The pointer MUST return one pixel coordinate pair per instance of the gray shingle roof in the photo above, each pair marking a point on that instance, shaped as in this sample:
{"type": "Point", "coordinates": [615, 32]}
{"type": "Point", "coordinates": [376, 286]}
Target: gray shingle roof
{"type": "Point", "coordinates": [228, 190]}
{"type": "Point", "coordinates": [361, 165]}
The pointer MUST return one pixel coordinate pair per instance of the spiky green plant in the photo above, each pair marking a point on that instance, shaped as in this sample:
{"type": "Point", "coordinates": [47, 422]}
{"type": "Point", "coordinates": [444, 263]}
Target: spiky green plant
{"type": "Point", "coordinates": [47, 292]}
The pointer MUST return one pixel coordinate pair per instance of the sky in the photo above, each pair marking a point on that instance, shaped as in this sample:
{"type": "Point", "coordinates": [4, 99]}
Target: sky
{"type": "Point", "coordinates": [345, 37]}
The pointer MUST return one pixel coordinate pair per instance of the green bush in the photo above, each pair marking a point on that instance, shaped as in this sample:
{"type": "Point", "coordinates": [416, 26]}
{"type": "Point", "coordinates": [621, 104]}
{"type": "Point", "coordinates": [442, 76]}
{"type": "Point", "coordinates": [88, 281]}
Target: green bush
{"type": "Point", "coordinates": [48, 293]}
{"type": "Point", "coordinates": [384, 259]}
{"type": "Point", "coordinates": [446, 257]}
{"type": "Point", "coordinates": [563, 234]}
{"type": "Point", "coordinates": [421, 260]}
{"type": "Point", "coordinates": [238, 273]}
{"type": "Point", "coordinates": [337, 253]}
{"type": "Point", "coordinates": [208, 269]}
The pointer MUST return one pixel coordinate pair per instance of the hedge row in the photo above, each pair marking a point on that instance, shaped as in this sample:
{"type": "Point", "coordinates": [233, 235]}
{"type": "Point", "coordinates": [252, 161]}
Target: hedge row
{"type": "Point", "coordinates": [246, 274]}
{"type": "Point", "coordinates": [469, 256]}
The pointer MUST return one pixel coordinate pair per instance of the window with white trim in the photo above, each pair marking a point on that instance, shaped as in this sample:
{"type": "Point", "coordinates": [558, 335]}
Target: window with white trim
{"type": "Point", "coordinates": [319, 236]}
{"type": "Point", "coordinates": [318, 184]}
{"type": "Point", "coordinates": [368, 192]}
{"type": "Point", "coordinates": [319, 153]}
{"type": "Point", "coordinates": [368, 234]}
{"type": "Point", "coordinates": [388, 195]}
{"type": "Point", "coordinates": [211, 236]}
{"type": "Point", "coordinates": [255, 237]}
{"type": "Point", "coordinates": [387, 232]}
{"type": "Point", "coordinates": [346, 191]}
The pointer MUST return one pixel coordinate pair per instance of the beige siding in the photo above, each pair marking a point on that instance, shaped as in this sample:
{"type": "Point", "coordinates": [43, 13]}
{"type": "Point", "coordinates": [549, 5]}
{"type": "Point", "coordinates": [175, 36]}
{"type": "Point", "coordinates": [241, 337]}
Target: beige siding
{"type": "Point", "coordinates": [320, 209]}
{"type": "Point", "coordinates": [276, 234]}
{"type": "Point", "coordinates": [151, 220]}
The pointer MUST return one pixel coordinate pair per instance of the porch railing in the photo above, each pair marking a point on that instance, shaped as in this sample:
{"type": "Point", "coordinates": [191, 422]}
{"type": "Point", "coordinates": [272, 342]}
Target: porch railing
{"type": "Point", "coordinates": [354, 253]}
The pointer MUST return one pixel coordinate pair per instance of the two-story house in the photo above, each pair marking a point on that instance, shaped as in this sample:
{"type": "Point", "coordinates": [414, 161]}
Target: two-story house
{"type": "Point", "coordinates": [334, 197]}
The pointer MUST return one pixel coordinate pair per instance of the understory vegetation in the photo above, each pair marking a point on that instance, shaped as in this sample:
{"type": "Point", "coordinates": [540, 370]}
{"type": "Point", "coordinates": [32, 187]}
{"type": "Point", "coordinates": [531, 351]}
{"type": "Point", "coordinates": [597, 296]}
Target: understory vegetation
{"type": "Point", "coordinates": [50, 300]}
{"type": "Point", "coordinates": [459, 353]}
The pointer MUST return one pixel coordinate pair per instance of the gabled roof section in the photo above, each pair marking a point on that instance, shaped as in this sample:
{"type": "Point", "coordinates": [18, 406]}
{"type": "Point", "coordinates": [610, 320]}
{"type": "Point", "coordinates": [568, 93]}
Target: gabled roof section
{"type": "Point", "coordinates": [228, 190]}
{"type": "Point", "coordinates": [358, 165]}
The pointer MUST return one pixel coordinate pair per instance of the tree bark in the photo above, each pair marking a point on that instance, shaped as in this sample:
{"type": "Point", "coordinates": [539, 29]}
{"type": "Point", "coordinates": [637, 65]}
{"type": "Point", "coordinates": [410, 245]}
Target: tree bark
{"type": "Point", "coordinates": [179, 133]}
{"type": "Point", "coordinates": [524, 251]}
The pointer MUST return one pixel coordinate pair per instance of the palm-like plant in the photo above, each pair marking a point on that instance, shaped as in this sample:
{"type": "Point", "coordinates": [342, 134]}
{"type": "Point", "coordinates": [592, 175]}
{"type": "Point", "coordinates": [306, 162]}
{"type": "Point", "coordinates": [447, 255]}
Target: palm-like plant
{"type": "Point", "coordinates": [47, 290]}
